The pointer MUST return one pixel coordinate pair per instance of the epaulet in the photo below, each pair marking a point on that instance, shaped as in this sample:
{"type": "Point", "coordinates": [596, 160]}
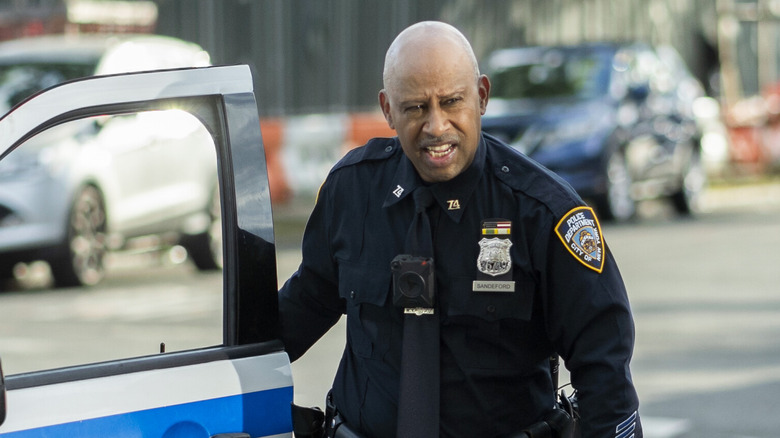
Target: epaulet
{"type": "Point", "coordinates": [380, 148]}
{"type": "Point", "coordinates": [523, 174]}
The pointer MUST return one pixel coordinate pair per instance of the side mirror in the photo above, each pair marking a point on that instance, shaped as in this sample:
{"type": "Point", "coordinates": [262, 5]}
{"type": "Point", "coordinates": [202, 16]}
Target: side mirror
{"type": "Point", "coordinates": [2, 395]}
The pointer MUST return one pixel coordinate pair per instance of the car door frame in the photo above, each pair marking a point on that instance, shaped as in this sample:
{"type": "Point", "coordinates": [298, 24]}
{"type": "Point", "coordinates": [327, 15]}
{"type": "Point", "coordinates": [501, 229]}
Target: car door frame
{"type": "Point", "coordinates": [222, 99]}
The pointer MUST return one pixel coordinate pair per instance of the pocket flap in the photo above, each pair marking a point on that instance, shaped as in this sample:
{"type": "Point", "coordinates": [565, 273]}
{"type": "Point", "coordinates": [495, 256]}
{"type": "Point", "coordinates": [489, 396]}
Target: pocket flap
{"type": "Point", "coordinates": [493, 306]}
{"type": "Point", "coordinates": [359, 284]}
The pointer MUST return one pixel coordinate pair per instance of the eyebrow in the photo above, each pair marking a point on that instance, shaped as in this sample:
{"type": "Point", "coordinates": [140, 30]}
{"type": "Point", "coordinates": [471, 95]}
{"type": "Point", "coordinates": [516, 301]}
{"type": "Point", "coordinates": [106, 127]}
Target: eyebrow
{"type": "Point", "coordinates": [415, 100]}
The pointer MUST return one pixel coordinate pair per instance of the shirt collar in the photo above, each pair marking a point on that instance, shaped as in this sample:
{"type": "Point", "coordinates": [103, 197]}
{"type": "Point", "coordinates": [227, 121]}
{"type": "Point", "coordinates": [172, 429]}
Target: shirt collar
{"type": "Point", "coordinates": [451, 195]}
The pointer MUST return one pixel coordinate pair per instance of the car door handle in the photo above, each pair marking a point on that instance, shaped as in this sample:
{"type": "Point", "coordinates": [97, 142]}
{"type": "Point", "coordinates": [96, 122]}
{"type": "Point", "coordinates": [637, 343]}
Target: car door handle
{"type": "Point", "coordinates": [231, 435]}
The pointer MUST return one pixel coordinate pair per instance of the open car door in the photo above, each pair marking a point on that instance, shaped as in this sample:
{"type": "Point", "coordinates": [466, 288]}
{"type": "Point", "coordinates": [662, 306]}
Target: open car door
{"type": "Point", "coordinates": [239, 388]}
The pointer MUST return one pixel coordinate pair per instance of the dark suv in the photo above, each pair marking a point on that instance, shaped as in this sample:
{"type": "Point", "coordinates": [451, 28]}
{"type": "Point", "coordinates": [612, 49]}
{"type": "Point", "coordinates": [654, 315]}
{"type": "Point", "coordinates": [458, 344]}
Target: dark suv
{"type": "Point", "coordinates": [610, 119]}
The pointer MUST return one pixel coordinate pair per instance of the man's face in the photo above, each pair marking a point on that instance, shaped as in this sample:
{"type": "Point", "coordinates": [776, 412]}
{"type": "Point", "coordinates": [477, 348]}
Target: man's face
{"type": "Point", "coordinates": [434, 102]}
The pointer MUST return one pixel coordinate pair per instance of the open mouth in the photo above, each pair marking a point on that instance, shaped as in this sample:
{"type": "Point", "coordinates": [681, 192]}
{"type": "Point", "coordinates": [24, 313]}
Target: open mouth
{"type": "Point", "coordinates": [440, 150]}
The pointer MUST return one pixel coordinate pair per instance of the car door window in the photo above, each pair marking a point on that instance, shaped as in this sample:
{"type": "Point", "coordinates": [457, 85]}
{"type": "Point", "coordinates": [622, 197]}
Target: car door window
{"type": "Point", "coordinates": [130, 203]}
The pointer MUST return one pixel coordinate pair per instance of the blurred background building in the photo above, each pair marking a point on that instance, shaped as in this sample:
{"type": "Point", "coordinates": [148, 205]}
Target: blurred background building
{"type": "Point", "coordinates": [325, 56]}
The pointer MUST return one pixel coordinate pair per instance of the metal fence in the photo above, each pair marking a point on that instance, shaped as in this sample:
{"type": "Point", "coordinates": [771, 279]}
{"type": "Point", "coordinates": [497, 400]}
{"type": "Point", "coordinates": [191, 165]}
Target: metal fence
{"type": "Point", "coordinates": [313, 56]}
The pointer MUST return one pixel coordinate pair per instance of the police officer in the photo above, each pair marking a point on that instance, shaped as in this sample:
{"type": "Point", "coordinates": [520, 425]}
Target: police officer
{"type": "Point", "coordinates": [522, 271]}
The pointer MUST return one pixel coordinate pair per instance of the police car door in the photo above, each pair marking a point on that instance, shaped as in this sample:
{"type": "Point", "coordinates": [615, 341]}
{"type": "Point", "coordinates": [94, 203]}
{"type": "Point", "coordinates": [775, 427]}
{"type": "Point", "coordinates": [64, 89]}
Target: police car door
{"type": "Point", "coordinates": [241, 387]}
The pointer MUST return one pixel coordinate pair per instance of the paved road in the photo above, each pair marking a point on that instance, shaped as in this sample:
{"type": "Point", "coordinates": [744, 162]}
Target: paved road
{"type": "Point", "coordinates": [706, 300]}
{"type": "Point", "coordinates": [130, 314]}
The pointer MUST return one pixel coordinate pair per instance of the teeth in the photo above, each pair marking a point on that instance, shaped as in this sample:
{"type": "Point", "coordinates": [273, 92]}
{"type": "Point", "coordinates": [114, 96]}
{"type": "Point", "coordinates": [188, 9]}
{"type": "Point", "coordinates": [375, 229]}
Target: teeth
{"type": "Point", "coordinates": [439, 151]}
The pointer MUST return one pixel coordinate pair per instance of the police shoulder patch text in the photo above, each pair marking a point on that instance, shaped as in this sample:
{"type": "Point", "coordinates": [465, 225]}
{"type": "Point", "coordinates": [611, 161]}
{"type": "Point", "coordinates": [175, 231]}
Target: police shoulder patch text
{"type": "Point", "coordinates": [580, 232]}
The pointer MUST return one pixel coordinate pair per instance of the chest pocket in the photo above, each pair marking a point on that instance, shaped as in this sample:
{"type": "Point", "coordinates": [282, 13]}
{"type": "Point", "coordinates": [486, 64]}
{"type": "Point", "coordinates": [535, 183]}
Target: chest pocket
{"type": "Point", "coordinates": [492, 306]}
{"type": "Point", "coordinates": [491, 330]}
{"type": "Point", "coordinates": [366, 291]}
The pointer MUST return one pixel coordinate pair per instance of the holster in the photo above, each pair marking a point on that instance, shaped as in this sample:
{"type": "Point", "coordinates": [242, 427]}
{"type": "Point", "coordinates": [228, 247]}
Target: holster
{"type": "Point", "coordinates": [308, 422]}
{"type": "Point", "coordinates": [313, 423]}
{"type": "Point", "coordinates": [567, 424]}
{"type": "Point", "coordinates": [561, 422]}
{"type": "Point", "coordinates": [335, 427]}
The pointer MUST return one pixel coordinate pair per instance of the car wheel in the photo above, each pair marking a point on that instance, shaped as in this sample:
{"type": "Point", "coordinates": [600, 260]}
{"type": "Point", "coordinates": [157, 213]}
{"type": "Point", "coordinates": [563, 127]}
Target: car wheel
{"type": "Point", "coordinates": [205, 249]}
{"type": "Point", "coordinates": [618, 204]}
{"type": "Point", "coordinates": [80, 260]}
{"type": "Point", "coordinates": [692, 183]}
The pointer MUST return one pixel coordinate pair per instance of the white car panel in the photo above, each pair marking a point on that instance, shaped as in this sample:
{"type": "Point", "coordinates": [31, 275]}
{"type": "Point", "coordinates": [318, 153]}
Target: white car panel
{"type": "Point", "coordinates": [159, 399]}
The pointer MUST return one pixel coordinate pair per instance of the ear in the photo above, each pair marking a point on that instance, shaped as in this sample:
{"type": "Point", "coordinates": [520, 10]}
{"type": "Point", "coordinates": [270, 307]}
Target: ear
{"type": "Point", "coordinates": [384, 103]}
{"type": "Point", "coordinates": [484, 93]}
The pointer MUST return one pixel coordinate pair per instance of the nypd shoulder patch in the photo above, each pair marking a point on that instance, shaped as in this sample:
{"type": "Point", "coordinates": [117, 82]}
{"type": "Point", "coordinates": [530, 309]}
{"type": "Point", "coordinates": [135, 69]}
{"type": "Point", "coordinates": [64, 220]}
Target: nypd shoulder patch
{"type": "Point", "coordinates": [580, 232]}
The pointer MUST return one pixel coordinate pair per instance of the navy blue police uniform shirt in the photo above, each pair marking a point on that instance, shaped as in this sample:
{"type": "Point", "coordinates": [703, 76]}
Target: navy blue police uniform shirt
{"type": "Point", "coordinates": [568, 294]}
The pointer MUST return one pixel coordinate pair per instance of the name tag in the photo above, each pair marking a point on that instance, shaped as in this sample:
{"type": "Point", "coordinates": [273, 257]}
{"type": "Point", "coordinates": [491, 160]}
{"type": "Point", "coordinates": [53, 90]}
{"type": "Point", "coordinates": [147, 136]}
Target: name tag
{"type": "Point", "coordinates": [493, 286]}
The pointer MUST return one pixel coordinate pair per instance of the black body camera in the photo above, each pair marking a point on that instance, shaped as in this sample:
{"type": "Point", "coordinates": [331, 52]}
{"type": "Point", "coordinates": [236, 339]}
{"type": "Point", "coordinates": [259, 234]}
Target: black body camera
{"type": "Point", "coordinates": [413, 282]}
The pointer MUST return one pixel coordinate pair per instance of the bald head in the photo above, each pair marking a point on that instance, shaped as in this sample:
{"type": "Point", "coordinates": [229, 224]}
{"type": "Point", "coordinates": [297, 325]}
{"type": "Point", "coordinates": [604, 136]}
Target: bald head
{"type": "Point", "coordinates": [421, 40]}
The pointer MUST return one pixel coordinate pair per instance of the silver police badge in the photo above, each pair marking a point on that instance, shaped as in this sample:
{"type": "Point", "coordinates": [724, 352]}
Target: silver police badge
{"type": "Point", "coordinates": [494, 258]}
{"type": "Point", "coordinates": [494, 263]}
